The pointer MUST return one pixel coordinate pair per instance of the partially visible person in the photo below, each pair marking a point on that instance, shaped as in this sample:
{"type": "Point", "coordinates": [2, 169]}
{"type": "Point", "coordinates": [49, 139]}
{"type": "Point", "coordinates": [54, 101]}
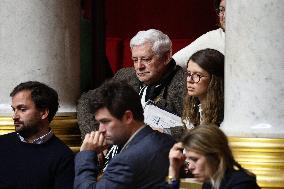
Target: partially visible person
{"type": "Point", "coordinates": [33, 157]}
{"type": "Point", "coordinates": [206, 153]}
{"type": "Point", "coordinates": [214, 39]}
{"type": "Point", "coordinates": [143, 160]}
{"type": "Point", "coordinates": [204, 102]}
{"type": "Point", "coordinates": [155, 76]}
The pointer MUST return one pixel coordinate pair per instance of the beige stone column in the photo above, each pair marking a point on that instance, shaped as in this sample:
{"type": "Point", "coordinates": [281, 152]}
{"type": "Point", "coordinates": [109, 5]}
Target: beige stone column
{"type": "Point", "coordinates": [254, 87]}
{"type": "Point", "coordinates": [40, 40]}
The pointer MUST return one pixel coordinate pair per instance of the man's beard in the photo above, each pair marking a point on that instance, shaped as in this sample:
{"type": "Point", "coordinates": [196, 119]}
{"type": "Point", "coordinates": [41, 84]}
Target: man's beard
{"type": "Point", "coordinates": [28, 130]}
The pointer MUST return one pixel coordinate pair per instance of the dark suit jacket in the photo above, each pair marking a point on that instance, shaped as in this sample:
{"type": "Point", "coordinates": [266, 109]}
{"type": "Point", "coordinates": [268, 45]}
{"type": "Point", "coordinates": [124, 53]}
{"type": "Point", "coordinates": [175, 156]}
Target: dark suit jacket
{"type": "Point", "coordinates": [237, 179]}
{"type": "Point", "coordinates": [142, 164]}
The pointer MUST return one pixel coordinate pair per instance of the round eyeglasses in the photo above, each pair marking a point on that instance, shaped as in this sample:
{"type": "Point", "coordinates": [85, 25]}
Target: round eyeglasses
{"type": "Point", "coordinates": [194, 77]}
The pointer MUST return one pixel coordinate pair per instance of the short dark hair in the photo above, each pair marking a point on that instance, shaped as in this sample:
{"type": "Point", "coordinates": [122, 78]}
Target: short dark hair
{"type": "Point", "coordinates": [117, 97]}
{"type": "Point", "coordinates": [42, 95]}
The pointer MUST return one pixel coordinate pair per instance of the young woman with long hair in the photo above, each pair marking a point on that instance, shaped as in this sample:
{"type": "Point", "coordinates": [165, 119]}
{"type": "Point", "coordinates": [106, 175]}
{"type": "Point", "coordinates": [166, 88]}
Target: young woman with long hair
{"type": "Point", "coordinates": [204, 102]}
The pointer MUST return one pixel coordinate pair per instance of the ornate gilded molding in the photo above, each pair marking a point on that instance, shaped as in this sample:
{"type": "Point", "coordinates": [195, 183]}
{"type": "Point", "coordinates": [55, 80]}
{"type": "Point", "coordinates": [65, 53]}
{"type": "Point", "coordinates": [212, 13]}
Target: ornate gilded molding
{"type": "Point", "coordinates": [64, 127]}
{"type": "Point", "coordinates": [262, 156]}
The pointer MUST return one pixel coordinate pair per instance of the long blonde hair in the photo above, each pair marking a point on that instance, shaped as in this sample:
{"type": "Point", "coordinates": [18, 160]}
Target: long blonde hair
{"type": "Point", "coordinates": [210, 141]}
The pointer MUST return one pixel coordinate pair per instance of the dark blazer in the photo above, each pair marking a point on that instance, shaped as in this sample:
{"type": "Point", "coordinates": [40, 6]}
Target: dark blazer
{"type": "Point", "coordinates": [237, 179]}
{"type": "Point", "coordinates": [143, 163]}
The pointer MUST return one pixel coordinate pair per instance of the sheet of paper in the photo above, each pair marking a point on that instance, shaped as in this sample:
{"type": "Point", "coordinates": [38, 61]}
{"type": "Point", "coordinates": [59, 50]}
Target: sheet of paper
{"type": "Point", "coordinates": [159, 118]}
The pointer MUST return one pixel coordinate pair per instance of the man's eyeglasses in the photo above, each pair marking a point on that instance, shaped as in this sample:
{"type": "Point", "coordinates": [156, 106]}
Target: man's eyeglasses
{"type": "Point", "coordinates": [220, 10]}
{"type": "Point", "coordinates": [194, 77]}
{"type": "Point", "coordinates": [143, 60]}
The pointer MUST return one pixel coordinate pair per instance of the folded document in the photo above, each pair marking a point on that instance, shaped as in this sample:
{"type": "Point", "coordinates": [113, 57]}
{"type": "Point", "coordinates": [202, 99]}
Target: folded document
{"type": "Point", "coordinates": [159, 118]}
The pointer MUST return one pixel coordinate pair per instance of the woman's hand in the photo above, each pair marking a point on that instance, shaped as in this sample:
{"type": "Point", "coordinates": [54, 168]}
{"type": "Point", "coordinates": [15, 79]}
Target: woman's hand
{"type": "Point", "coordinates": [177, 159]}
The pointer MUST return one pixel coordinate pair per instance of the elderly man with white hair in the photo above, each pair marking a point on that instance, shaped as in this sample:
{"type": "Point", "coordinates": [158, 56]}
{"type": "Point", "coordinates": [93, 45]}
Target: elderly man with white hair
{"type": "Point", "coordinates": [155, 76]}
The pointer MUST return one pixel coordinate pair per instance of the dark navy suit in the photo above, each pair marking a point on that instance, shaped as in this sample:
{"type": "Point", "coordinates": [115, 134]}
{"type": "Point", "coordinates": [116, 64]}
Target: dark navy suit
{"type": "Point", "coordinates": [143, 163]}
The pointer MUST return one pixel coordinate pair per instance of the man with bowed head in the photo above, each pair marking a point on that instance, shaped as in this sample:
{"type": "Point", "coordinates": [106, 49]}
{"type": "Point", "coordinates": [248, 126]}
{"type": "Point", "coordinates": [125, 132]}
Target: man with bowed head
{"type": "Point", "coordinates": [154, 75]}
{"type": "Point", "coordinates": [143, 160]}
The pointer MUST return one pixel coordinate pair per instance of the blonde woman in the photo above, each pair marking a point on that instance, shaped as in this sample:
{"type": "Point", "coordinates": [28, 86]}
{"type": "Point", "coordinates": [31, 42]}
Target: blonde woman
{"type": "Point", "coordinates": [210, 160]}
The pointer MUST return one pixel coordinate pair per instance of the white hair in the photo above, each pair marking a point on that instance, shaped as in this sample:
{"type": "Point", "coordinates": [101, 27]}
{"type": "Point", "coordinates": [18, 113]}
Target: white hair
{"type": "Point", "coordinates": [161, 43]}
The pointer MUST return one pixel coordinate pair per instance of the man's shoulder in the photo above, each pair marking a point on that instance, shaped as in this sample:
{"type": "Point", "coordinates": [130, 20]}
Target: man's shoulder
{"type": "Point", "coordinates": [178, 80]}
{"type": "Point", "coordinates": [152, 140]}
{"type": "Point", "coordinates": [8, 136]}
{"type": "Point", "coordinates": [151, 145]}
{"type": "Point", "coordinates": [163, 141]}
{"type": "Point", "coordinates": [125, 72]}
{"type": "Point", "coordinates": [154, 146]}
{"type": "Point", "coordinates": [146, 153]}
{"type": "Point", "coordinates": [214, 39]}
{"type": "Point", "coordinates": [214, 33]}
{"type": "Point", "coordinates": [161, 138]}
{"type": "Point", "coordinates": [129, 76]}
{"type": "Point", "coordinates": [121, 75]}
{"type": "Point", "coordinates": [58, 145]}
{"type": "Point", "coordinates": [180, 71]}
